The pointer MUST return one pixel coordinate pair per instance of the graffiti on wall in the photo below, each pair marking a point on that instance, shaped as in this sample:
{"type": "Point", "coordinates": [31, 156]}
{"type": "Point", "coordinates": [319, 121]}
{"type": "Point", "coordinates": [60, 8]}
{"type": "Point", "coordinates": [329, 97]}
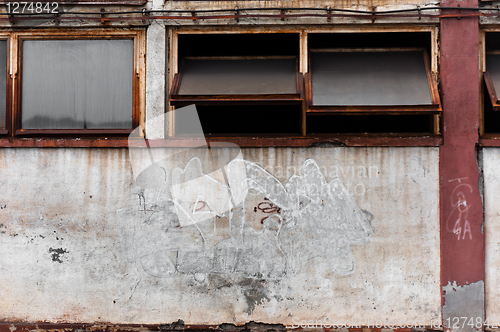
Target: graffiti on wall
{"type": "Point", "coordinates": [242, 221]}
{"type": "Point", "coordinates": [209, 211]}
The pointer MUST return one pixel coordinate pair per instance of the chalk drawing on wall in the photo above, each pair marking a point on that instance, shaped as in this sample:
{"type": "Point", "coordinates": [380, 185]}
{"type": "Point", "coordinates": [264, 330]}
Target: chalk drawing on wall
{"type": "Point", "coordinates": [242, 221]}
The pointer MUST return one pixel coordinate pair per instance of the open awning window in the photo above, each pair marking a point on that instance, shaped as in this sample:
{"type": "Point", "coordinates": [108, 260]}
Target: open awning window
{"type": "Point", "coordinates": [237, 80]}
{"type": "Point", "coordinates": [371, 80]}
{"type": "Point", "coordinates": [492, 78]}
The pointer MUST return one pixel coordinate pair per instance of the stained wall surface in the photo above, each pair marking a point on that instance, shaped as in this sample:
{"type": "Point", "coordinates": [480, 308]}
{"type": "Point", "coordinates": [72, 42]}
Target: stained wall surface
{"type": "Point", "coordinates": [276, 235]}
{"type": "Point", "coordinates": [491, 162]}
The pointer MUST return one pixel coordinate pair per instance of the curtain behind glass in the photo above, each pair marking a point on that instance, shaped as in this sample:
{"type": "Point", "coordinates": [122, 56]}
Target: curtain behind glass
{"type": "Point", "coordinates": [77, 84]}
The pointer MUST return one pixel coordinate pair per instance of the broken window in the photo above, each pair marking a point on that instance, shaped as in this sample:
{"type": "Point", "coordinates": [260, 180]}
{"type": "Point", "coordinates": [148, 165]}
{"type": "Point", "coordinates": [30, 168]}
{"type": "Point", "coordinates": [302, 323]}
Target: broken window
{"type": "Point", "coordinates": [491, 85]}
{"type": "Point", "coordinates": [355, 83]}
{"type": "Point", "coordinates": [370, 83]}
{"type": "Point", "coordinates": [238, 86]}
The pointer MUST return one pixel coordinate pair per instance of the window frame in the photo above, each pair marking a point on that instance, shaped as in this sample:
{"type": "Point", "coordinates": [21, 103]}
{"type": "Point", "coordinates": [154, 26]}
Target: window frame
{"type": "Point", "coordinates": [14, 82]}
{"type": "Point", "coordinates": [434, 108]}
{"type": "Point", "coordinates": [306, 139]}
{"type": "Point", "coordinates": [7, 130]}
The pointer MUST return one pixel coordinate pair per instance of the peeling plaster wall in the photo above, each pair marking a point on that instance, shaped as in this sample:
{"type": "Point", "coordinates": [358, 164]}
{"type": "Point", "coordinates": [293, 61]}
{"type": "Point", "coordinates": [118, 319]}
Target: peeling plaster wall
{"type": "Point", "coordinates": [81, 241]}
{"type": "Point", "coordinates": [491, 163]}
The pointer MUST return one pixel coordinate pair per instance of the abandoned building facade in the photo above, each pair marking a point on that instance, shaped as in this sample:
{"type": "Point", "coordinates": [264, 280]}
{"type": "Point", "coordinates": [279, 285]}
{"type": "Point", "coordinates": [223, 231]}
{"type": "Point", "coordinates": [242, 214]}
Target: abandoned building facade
{"type": "Point", "coordinates": [283, 164]}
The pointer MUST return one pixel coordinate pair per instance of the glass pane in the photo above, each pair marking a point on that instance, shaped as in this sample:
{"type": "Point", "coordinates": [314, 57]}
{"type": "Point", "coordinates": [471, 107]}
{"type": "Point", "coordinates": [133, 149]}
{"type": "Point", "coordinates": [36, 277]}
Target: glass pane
{"type": "Point", "coordinates": [77, 84]}
{"type": "Point", "coordinates": [231, 77]}
{"type": "Point", "coordinates": [369, 79]}
{"type": "Point", "coordinates": [3, 81]}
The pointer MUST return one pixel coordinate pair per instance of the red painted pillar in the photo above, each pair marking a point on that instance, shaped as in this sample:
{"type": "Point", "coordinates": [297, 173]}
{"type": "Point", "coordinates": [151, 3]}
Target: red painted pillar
{"type": "Point", "coordinates": [462, 239]}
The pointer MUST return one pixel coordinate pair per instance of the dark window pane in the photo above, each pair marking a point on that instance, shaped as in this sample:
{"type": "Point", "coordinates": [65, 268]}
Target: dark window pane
{"type": "Point", "coordinates": [241, 120]}
{"type": "Point", "coordinates": [239, 44]}
{"type": "Point", "coordinates": [369, 123]}
{"type": "Point", "coordinates": [230, 77]}
{"type": "Point", "coordinates": [3, 81]}
{"type": "Point", "coordinates": [369, 78]}
{"type": "Point", "coordinates": [77, 84]}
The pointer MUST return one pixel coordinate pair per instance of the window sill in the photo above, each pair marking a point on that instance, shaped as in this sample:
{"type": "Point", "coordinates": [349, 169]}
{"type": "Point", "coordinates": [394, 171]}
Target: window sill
{"type": "Point", "coordinates": [352, 141]}
{"type": "Point", "coordinates": [489, 141]}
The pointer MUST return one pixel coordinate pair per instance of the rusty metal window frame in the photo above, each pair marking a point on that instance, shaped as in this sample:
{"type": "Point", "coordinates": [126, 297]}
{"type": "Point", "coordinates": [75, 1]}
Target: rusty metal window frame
{"type": "Point", "coordinates": [14, 107]}
{"type": "Point", "coordinates": [433, 108]}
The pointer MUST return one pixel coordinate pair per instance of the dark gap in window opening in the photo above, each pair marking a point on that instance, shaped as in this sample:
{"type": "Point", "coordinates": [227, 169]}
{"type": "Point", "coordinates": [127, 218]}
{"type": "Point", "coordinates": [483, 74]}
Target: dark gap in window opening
{"type": "Point", "coordinates": [370, 40]}
{"type": "Point", "coordinates": [241, 44]}
{"type": "Point", "coordinates": [216, 120]}
{"type": "Point", "coordinates": [362, 124]}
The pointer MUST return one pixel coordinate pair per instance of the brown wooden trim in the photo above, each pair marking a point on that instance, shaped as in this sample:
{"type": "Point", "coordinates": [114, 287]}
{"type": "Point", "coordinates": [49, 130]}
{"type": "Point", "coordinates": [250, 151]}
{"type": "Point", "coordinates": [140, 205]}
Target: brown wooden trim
{"type": "Point", "coordinates": [8, 91]}
{"type": "Point", "coordinates": [318, 141]}
{"type": "Point", "coordinates": [175, 85]}
{"type": "Point", "coordinates": [249, 57]}
{"type": "Point", "coordinates": [73, 132]}
{"type": "Point", "coordinates": [360, 110]}
{"type": "Point", "coordinates": [366, 49]}
{"type": "Point", "coordinates": [431, 79]}
{"type": "Point", "coordinates": [303, 113]}
{"type": "Point", "coordinates": [238, 100]}
{"type": "Point", "coordinates": [490, 87]}
{"type": "Point", "coordinates": [490, 140]}
{"type": "Point", "coordinates": [307, 141]}
{"type": "Point", "coordinates": [17, 142]}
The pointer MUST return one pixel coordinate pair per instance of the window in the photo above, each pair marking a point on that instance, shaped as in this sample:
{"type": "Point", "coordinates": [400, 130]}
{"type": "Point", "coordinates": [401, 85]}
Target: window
{"type": "Point", "coordinates": [491, 85]}
{"type": "Point", "coordinates": [75, 84]}
{"type": "Point", "coordinates": [371, 83]}
{"type": "Point", "coordinates": [238, 86]}
{"type": "Point", "coordinates": [359, 83]}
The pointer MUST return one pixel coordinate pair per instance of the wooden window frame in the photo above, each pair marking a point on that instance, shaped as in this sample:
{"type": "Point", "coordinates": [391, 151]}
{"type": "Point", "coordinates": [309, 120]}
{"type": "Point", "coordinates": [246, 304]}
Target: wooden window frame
{"type": "Point", "coordinates": [14, 83]}
{"type": "Point", "coordinates": [7, 130]}
{"type": "Point", "coordinates": [237, 99]}
{"type": "Point", "coordinates": [434, 108]}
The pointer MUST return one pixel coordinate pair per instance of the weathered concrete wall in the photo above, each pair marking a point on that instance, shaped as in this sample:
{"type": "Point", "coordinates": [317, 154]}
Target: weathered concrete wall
{"type": "Point", "coordinates": [491, 163]}
{"type": "Point", "coordinates": [354, 235]}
